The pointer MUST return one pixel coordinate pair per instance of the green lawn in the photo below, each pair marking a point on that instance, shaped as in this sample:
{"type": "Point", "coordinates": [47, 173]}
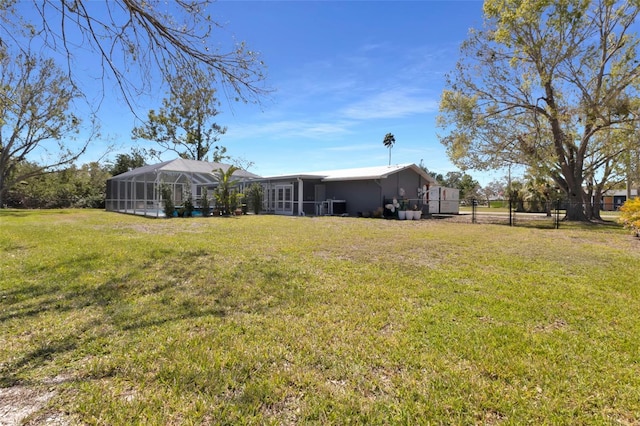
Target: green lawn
{"type": "Point", "coordinates": [281, 320]}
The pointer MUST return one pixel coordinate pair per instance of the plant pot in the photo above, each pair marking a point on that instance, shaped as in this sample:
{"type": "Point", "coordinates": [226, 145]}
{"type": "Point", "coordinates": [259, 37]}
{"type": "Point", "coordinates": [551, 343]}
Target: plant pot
{"type": "Point", "coordinates": [417, 214]}
{"type": "Point", "coordinates": [402, 214]}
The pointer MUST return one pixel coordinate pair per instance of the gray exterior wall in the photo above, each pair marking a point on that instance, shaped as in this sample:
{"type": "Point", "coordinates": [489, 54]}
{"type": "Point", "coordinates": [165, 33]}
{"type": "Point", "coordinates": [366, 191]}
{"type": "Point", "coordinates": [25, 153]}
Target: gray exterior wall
{"type": "Point", "coordinates": [408, 180]}
{"type": "Point", "coordinates": [360, 195]}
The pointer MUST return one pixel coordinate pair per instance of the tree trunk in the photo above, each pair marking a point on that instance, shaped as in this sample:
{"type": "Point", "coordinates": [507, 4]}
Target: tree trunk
{"type": "Point", "coordinates": [595, 207]}
{"type": "Point", "coordinates": [576, 207]}
{"type": "Point", "coordinates": [2, 190]}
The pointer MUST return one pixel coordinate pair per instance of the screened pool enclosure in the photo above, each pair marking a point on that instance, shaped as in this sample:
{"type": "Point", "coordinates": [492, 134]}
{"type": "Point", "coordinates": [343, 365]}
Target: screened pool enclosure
{"type": "Point", "coordinates": [138, 191]}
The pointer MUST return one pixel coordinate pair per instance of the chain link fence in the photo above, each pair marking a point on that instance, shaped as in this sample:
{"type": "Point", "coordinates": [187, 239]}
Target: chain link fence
{"type": "Point", "coordinates": [535, 214]}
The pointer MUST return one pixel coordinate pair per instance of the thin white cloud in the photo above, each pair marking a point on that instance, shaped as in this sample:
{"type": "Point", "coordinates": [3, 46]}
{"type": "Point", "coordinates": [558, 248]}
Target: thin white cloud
{"type": "Point", "coordinates": [352, 148]}
{"type": "Point", "coordinates": [289, 129]}
{"type": "Point", "coordinates": [390, 104]}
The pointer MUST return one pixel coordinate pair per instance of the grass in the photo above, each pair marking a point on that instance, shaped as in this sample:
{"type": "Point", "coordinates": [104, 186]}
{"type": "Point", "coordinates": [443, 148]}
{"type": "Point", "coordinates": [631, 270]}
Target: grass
{"type": "Point", "coordinates": [281, 320]}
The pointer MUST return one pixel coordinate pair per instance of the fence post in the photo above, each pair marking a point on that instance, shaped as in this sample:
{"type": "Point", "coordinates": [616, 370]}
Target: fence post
{"type": "Point", "coordinates": [510, 213]}
{"type": "Point", "coordinates": [473, 210]}
{"type": "Point", "coordinates": [558, 214]}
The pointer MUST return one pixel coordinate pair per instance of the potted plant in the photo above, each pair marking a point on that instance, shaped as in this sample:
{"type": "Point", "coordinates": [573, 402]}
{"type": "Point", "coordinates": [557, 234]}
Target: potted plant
{"type": "Point", "coordinates": [404, 212]}
{"type": "Point", "coordinates": [415, 212]}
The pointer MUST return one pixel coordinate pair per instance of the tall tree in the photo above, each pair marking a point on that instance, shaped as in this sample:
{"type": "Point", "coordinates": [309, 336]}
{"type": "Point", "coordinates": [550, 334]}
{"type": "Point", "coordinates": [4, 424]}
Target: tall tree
{"type": "Point", "coordinates": [127, 162]}
{"type": "Point", "coordinates": [35, 97]}
{"type": "Point", "coordinates": [139, 43]}
{"type": "Point", "coordinates": [546, 84]}
{"type": "Point", "coordinates": [183, 123]}
{"type": "Point", "coordinates": [468, 186]}
{"type": "Point", "coordinates": [388, 141]}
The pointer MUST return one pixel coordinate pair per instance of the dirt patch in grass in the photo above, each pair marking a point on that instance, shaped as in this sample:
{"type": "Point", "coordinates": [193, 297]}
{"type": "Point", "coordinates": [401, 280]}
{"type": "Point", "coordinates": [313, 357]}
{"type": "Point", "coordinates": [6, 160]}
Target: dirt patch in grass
{"type": "Point", "coordinates": [26, 405]}
{"type": "Point", "coordinates": [19, 402]}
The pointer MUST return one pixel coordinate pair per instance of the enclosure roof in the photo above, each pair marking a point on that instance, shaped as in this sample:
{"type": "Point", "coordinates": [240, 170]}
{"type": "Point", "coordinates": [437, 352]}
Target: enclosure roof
{"type": "Point", "coordinates": [363, 173]}
{"type": "Point", "coordinates": [182, 165]}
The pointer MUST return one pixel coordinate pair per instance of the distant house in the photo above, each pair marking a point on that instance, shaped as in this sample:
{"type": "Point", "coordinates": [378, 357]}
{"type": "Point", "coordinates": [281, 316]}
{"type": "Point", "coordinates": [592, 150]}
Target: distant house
{"type": "Point", "coordinates": [613, 199]}
{"type": "Point", "coordinates": [138, 191]}
{"type": "Point", "coordinates": [351, 192]}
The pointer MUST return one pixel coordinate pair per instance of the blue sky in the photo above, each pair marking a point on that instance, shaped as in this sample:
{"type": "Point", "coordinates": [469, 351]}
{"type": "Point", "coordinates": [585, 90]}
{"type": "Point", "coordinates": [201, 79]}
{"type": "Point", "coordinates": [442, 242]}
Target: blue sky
{"type": "Point", "coordinates": [344, 74]}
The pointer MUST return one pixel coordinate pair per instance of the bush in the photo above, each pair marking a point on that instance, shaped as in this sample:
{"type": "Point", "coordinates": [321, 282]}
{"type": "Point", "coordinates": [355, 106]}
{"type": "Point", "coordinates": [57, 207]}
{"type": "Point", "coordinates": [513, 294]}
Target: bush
{"type": "Point", "coordinates": [630, 216]}
{"type": "Point", "coordinates": [204, 203]}
{"type": "Point", "coordinates": [167, 197]}
{"type": "Point", "coordinates": [255, 195]}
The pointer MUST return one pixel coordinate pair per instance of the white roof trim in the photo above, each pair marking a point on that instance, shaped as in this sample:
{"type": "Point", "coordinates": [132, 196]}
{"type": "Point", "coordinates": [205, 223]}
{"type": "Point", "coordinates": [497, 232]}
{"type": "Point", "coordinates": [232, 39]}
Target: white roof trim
{"type": "Point", "coordinates": [362, 173]}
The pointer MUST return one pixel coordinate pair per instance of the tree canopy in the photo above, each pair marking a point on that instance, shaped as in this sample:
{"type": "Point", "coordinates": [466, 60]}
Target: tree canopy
{"type": "Point", "coordinates": [139, 43]}
{"type": "Point", "coordinates": [127, 162]}
{"type": "Point", "coordinates": [183, 123]}
{"type": "Point", "coordinates": [35, 97]}
{"type": "Point", "coordinates": [551, 85]}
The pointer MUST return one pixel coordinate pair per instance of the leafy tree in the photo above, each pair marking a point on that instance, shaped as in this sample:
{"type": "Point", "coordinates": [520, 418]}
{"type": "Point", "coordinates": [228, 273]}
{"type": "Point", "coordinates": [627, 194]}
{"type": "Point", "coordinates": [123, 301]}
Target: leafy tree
{"type": "Point", "coordinates": [90, 181]}
{"type": "Point", "coordinates": [136, 41]}
{"type": "Point", "coordinates": [34, 117]}
{"type": "Point", "coordinates": [548, 85]}
{"type": "Point", "coordinates": [516, 195]}
{"type": "Point", "coordinates": [127, 162]}
{"type": "Point", "coordinates": [219, 154]}
{"type": "Point", "coordinates": [437, 176]}
{"type": "Point", "coordinates": [183, 123]}
{"type": "Point", "coordinates": [538, 194]}
{"type": "Point", "coordinates": [468, 186]}
{"type": "Point", "coordinates": [496, 189]}
{"type": "Point", "coordinates": [389, 141]}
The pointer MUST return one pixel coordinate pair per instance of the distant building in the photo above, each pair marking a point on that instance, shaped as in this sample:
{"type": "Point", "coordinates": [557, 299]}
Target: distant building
{"type": "Point", "coordinates": [613, 199]}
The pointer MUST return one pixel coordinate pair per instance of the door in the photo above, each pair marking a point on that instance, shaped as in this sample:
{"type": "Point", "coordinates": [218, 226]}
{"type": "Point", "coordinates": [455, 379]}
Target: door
{"type": "Point", "coordinates": [284, 199]}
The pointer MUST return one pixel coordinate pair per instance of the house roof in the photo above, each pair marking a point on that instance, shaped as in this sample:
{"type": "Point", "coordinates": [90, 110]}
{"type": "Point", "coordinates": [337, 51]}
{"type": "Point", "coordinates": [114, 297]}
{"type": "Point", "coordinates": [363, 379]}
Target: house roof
{"type": "Point", "coordinates": [362, 173]}
{"type": "Point", "coordinates": [183, 165]}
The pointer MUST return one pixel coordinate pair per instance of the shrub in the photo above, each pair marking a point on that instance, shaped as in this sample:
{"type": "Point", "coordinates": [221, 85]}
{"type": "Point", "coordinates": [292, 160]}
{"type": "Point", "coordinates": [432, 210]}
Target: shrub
{"type": "Point", "coordinates": [188, 203]}
{"type": "Point", "coordinates": [204, 203]}
{"type": "Point", "coordinates": [630, 216]}
{"type": "Point", "coordinates": [167, 197]}
{"type": "Point", "coordinates": [255, 195]}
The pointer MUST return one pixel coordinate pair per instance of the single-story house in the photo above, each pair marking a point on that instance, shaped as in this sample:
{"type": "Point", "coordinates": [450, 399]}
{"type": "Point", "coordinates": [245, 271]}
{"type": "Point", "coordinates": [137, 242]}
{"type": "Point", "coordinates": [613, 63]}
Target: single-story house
{"type": "Point", "coordinates": [351, 192]}
{"type": "Point", "coordinates": [613, 199]}
{"type": "Point", "coordinates": [138, 191]}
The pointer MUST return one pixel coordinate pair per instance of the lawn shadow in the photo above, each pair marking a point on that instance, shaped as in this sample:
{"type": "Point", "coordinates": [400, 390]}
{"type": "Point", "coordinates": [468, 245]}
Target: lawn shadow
{"type": "Point", "coordinates": [46, 352]}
